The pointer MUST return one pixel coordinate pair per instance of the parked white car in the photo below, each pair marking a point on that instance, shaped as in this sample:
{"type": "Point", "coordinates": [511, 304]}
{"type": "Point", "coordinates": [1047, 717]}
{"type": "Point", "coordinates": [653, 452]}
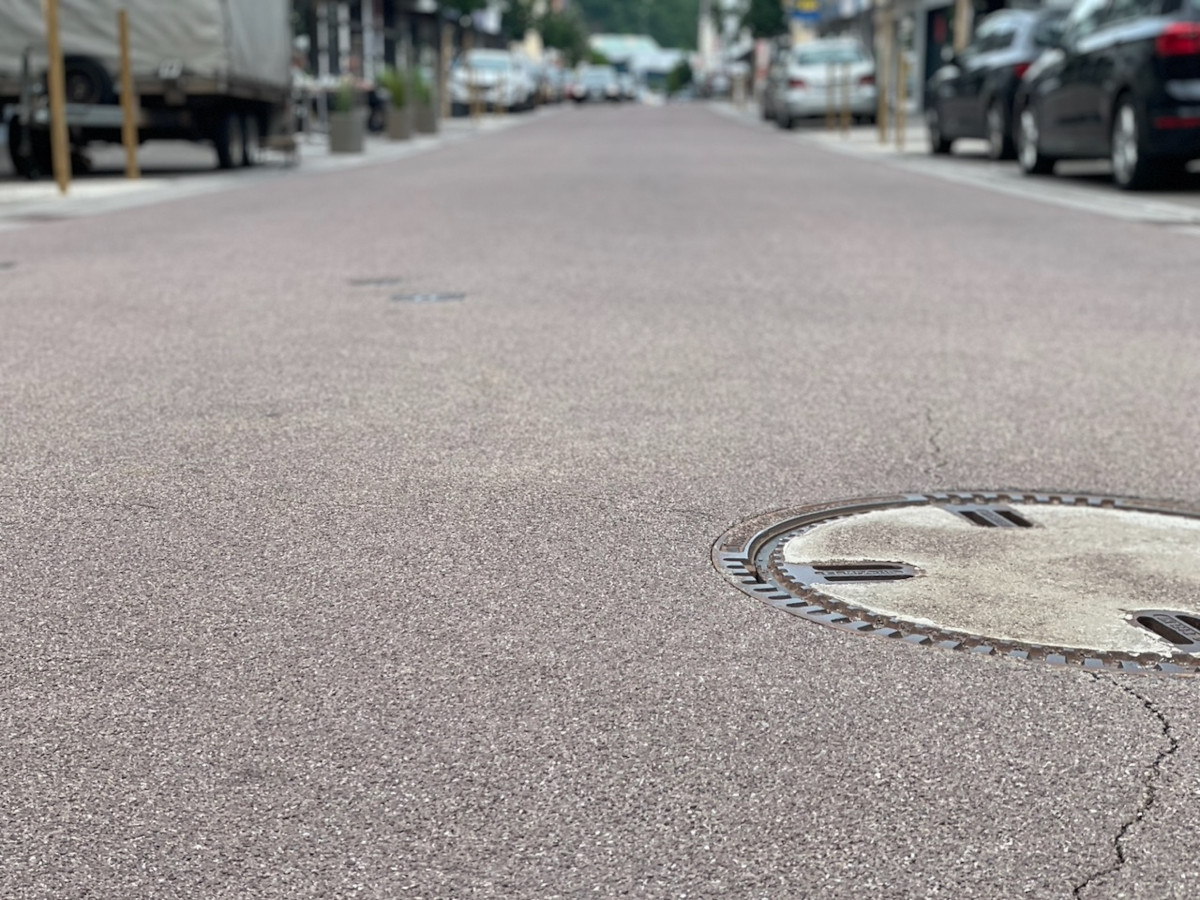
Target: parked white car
{"type": "Point", "coordinates": [596, 83]}
{"type": "Point", "coordinates": [819, 75]}
{"type": "Point", "coordinates": [499, 78]}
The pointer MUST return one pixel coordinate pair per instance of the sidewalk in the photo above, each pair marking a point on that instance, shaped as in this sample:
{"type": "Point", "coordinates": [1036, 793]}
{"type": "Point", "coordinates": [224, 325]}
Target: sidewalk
{"type": "Point", "coordinates": [1079, 184]}
{"type": "Point", "coordinates": [860, 140]}
{"type": "Point", "coordinates": [177, 169]}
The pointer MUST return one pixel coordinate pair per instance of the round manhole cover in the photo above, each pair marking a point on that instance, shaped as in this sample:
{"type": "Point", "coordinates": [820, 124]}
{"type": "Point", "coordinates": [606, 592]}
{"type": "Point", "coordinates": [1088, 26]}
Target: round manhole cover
{"type": "Point", "coordinates": [1096, 581]}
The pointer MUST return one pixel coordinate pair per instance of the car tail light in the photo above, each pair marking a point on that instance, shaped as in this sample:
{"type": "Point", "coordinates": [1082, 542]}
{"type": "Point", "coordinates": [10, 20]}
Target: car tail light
{"type": "Point", "coordinates": [1179, 39]}
{"type": "Point", "coordinates": [1020, 69]}
{"type": "Point", "coordinates": [796, 83]}
{"type": "Point", "coordinates": [867, 80]}
{"type": "Point", "coordinates": [1175, 122]}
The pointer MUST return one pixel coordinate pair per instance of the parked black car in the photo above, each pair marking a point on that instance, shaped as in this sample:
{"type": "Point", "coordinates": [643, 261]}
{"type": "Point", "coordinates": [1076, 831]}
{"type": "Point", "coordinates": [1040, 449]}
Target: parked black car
{"type": "Point", "coordinates": [972, 95]}
{"type": "Point", "coordinates": [1122, 81]}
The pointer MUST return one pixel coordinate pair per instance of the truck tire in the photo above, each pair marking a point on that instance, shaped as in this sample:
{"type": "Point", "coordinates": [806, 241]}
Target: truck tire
{"type": "Point", "coordinates": [251, 140]}
{"type": "Point", "coordinates": [87, 81]}
{"type": "Point", "coordinates": [228, 141]}
{"type": "Point", "coordinates": [38, 162]}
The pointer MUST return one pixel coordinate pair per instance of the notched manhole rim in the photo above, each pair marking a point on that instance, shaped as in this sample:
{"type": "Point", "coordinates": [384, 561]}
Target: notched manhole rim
{"type": "Point", "coordinates": [749, 555]}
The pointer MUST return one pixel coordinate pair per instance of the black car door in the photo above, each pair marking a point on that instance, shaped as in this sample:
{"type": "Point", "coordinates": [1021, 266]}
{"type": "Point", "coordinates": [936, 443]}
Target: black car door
{"type": "Point", "coordinates": [1064, 99]}
{"type": "Point", "coordinates": [974, 75]}
{"type": "Point", "coordinates": [981, 80]}
{"type": "Point", "coordinates": [1126, 26]}
{"type": "Point", "coordinates": [958, 91]}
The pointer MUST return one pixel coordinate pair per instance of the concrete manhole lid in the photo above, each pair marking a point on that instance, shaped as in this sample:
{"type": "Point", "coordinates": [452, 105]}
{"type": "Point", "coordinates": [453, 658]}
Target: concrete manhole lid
{"type": "Point", "coordinates": [1096, 581]}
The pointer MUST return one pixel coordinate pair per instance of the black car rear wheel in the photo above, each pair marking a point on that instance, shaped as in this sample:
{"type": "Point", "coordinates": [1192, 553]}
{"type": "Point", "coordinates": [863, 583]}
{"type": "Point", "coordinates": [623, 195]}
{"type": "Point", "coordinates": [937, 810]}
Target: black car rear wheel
{"type": "Point", "coordinates": [939, 144]}
{"type": "Point", "coordinates": [1029, 152]}
{"type": "Point", "coordinates": [1133, 168]}
{"type": "Point", "coordinates": [1000, 142]}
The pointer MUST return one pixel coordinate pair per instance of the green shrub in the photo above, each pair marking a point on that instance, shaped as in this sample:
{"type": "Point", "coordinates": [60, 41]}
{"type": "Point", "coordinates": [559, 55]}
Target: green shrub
{"type": "Point", "coordinates": [396, 85]}
{"type": "Point", "coordinates": [345, 98]}
{"type": "Point", "coordinates": [679, 77]}
{"type": "Point", "coordinates": [422, 90]}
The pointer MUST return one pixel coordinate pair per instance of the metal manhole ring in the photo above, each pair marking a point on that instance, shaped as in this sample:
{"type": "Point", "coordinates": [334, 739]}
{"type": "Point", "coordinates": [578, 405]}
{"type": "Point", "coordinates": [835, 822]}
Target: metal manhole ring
{"type": "Point", "coordinates": [1066, 578]}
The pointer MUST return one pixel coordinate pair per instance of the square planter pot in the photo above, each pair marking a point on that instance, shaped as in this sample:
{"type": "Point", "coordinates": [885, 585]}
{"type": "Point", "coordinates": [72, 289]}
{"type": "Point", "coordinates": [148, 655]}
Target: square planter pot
{"type": "Point", "coordinates": [399, 123]}
{"type": "Point", "coordinates": [426, 119]}
{"type": "Point", "coordinates": [346, 132]}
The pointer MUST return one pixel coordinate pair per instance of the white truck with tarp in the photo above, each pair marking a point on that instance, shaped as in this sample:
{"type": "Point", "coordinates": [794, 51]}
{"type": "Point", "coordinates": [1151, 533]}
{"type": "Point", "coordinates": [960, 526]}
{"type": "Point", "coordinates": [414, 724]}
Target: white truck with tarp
{"type": "Point", "coordinates": [217, 71]}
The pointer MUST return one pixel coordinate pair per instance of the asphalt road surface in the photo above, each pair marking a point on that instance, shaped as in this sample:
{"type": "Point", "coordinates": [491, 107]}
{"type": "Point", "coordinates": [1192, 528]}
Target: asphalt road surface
{"type": "Point", "coordinates": [311, 592]}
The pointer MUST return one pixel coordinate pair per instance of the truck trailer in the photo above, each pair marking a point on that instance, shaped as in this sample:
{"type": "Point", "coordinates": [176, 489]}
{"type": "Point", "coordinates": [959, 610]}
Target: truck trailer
{"type": "Point", "coordinates": [216, 71]}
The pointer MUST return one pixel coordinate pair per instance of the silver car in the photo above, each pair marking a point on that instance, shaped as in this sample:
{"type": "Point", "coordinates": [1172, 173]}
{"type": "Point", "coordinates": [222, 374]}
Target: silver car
{"type": "Point", "coordinates": [821, 75]}
{"type": "Point", "coordinates": [496, 78]}
{"type": "Point", "coordinates": [596, 83]}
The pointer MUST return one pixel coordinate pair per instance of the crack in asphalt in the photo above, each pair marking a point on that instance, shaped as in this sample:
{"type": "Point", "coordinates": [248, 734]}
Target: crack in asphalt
{"type": "Point", "coordinates": [1149, 788]}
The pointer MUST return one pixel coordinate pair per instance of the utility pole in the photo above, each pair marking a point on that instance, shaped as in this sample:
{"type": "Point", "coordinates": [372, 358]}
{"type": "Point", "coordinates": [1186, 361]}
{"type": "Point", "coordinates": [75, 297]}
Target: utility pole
{"type": "Point", "coordinates": [129, 101]}
{"type": "Point", "coordinates": [964, 15]}
{"type": "Point", "coordinates": [60, 147]}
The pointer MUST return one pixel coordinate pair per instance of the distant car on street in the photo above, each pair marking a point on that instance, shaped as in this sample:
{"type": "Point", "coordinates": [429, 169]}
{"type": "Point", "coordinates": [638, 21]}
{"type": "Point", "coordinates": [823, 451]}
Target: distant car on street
{"type": "Point", "coordinates": [552, 85]}
{"type": "Point", "coordinates": [596, 83]}
{"type": "Point", "coordinates": [496, 78]}
{"type": "Point", "coordinates": [822, 72]}
{"type": "Point", "coordinates": [628, 84]}
{"type": "Point", "coordinates": [972, 95]}
{"type": "Point", "coordinates": [1122, 80]}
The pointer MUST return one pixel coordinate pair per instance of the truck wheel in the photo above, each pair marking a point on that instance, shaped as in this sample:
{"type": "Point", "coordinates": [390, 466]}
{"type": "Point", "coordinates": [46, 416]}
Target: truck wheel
{"type": "Point", "coordinates": [228, 141]}
{"type": "Point", "coordinates": [251, 140]}
{"type": "Point", "coordinates": [37, 161]}
{"type": "Point", "coordinates": [87, 81]}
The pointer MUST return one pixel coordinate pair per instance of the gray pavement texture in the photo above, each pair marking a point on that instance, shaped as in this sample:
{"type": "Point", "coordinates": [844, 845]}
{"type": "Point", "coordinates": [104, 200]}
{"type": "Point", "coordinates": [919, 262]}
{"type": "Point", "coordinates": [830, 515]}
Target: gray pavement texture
{"type": "Point", "coordinates": [308, 593]}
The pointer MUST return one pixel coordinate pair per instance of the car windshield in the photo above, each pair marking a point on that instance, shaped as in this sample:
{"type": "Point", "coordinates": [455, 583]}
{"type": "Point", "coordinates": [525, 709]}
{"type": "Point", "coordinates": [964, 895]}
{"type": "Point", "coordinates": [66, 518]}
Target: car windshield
{"type": "Point", "coordinates": [1048, 31]}
{"type": "Point", "coordinates": [601, 75]}
{"type": "Point", "coordinates": [486, 63]}
{"type": "Point", "coordinates": [825, 54]}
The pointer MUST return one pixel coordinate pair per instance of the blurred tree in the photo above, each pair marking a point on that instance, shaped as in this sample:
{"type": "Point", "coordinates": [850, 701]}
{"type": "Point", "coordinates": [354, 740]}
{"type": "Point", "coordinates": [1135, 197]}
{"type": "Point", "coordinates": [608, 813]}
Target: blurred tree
{"type": "Point", "coordinates": [672, 23]}
{"type": "Point", "coordinates": [764, 18]}
{"type": "Point", "coordinates": [679, 77]}
{"type": "Point", "coordinates": [517, 19]}
{"type": "Point", "coordinates": [564, 31]}
{"type": "Point", "coordinates": [464, 7]}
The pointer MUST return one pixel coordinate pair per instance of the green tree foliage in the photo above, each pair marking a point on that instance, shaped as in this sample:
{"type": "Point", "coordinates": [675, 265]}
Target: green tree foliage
{"type": "Point", "coordinates": [672, 23]}
{"type": "Point", "coordinates": [764, 18]}
{"type": "Point", "coordinates": [564, 31]}
{"type": "Point", "coordinates": [517, 19]}
{"type": "Point", "coordinates": [679, 77]}
{"type": "Point", "coordinates": [463, 6]}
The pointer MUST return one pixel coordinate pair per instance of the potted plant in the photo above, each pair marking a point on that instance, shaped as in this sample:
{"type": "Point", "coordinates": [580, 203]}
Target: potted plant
{"type": "Point", "coordinates": [399, 120]}
{"type": "Point", "coordinates": [345, 121]}
{"type": "Point", "coordinates": [426, 115]}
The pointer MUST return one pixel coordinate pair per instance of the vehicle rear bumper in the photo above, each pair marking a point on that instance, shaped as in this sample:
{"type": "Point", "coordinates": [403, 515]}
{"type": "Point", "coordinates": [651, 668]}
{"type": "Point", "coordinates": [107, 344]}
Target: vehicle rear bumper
{"type": "Point", "coordinates": [1174, 131]}
{"type": "Point", "coordinates": [817, 101]}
